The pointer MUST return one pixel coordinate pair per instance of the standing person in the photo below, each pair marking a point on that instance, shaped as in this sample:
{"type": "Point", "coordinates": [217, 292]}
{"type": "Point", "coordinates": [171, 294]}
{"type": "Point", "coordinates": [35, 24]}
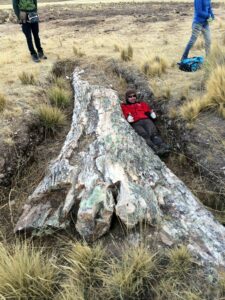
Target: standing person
{"type": "Point", "coordinates": [140, 116]}
{"type": "Point", "coordinates": [203, 15]}
{"type": "Point", "coordinates": [26, 12]}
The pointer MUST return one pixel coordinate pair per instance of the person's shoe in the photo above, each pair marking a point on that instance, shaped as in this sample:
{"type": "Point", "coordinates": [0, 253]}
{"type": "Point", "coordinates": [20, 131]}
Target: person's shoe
{"type": "Point", "coordinates": [163, 150]}
{"type": "Point", "coordinates": [42, 55]}
{"type": "Point", "coordinates": [35, 58]}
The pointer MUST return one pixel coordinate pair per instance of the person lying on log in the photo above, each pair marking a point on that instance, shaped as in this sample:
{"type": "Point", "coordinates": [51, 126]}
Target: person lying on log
{"type": "Point", "coordinates": [141, 117]}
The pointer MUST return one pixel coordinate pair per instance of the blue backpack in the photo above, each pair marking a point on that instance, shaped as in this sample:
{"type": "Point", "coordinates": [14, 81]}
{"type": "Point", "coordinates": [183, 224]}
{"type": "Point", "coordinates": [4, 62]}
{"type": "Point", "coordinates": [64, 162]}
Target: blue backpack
{"type": "Point", "coordinates": [191, 64]}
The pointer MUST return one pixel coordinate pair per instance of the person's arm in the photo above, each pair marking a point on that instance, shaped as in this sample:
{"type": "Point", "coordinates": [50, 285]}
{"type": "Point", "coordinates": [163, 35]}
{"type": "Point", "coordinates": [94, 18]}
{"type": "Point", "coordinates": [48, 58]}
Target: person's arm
{"type": "Point", "coordinates": [126, 113]}
{"type": "Point", "coordinates": [199, 9]}
{"type": "Point", "coordinates": [125, 110]}
{"type": "Point", "coordinates": [16, 9]}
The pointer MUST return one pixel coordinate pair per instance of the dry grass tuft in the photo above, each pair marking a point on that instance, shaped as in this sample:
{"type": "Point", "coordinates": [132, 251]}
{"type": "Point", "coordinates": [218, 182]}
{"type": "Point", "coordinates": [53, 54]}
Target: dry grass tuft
{"type": "Point", "coordinates": [25, 273]}
{"type": "Point", "coordinates": [215, 86]}
{"type": "Point", "coordinates": [60, 82]}
{"type": "Point", "coordinates": [130, 277]}
{"type": "Point", "coordinates": [59, 96]}
{"type": "Point", "coordinates": [215, 59]}
{"type": "Point", "coordinates": [214, 97]}
{"type": "Point", "coordinates": [27, 79]}
{"type": "Point", "coordinates": [116, 48]}
{"type": "Point", "coordinates": [83, 271]}
{"type": "Point", "coordinates": [222, 285]}
{"type": "Point", "coordinates": [223, 39]}
{"type": "Point", "coordinates": [175, 290]}
{"type": "Point", "coordinates": [127, 54]}
{"type": "Point", "coordinates": [155, 66]}
{"type": "Point", "coordinates": [180, 263]}
{"type": "Point", "coordinates": [2, 102]}
{"type": "Point", "coordinates": [191, 109]}
{"type": "Point", "coordinates": [78, 52]}
{"type": "Point", "coordinates": [221, 110]}
{"type": "Point", "coordinates": [51, 118]}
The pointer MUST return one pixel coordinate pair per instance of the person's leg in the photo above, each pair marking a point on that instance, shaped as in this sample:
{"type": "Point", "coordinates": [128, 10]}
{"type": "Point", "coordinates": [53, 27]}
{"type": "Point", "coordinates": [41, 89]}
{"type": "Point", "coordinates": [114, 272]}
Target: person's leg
{"type": "Point", "coordinates": [196, 30]}
{"type": "Point", "coordinates": [161, 147]}
{"type": "Point", "coordinates": [150, 128]}
{"type": "Point", "coordinates": [207, 38]}
{"type": "Point", "coordinates": [26, 28]}
{"type": "Point", "coordinates": [138, 127]}
{"type": "Point", "coordinates": [35, 31]}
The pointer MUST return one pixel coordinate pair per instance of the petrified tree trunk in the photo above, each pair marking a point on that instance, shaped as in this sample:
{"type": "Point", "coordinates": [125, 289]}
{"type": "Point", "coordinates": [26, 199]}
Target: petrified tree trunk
{"type": "Point", "coordinates": [103, 168]}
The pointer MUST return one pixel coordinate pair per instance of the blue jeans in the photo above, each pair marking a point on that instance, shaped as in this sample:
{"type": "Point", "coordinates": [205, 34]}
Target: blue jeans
{"type": "Point", "coordinates": [198, 28]}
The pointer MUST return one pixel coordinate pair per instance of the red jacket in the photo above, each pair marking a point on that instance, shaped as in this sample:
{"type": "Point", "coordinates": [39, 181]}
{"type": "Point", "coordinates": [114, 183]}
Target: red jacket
{"type": "Point", "coordinates": [136, 110]}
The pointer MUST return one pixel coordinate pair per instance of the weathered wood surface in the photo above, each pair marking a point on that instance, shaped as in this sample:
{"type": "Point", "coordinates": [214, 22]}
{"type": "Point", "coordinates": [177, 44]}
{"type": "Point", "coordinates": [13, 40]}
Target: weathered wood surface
{"type": "Point", "coordinates": [104, 168]}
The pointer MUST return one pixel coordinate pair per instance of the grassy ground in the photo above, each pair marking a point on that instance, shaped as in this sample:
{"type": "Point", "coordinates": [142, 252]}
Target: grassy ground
{"type": "Point", "coordinates": [165, 37]}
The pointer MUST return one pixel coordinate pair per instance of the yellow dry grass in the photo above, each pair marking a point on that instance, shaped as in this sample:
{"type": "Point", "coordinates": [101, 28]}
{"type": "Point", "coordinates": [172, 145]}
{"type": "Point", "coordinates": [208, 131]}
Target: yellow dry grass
{"type": "Point", "coordinates": [130, 276]}
{"type": "Point", "coordinates": [83, 271]}
{"type": "Point", "coordinates": [59, 42]}
{"type": "Point", "coordinates": [2, 102]}
{"type": "Point", "coordinates": [215, 88]}
{"type": "Point", "coordinates": [154, 66]}
{"type": "Point", "coordinates": [25, 272]}
{"type": "Point", "coordinates": [51, 118]}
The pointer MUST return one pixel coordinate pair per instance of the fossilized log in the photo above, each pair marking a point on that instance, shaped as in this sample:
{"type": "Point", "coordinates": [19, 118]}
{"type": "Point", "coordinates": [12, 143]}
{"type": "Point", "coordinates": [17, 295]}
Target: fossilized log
{"type": "Point", "coordinates": [103, 168]}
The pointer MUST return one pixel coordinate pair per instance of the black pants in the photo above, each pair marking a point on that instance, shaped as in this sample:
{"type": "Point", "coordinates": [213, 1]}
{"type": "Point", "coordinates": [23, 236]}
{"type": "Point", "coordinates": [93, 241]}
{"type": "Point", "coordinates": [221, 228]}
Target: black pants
{"type": "Point", "coordinates": [28, 30]}
{"type": "Point", "coordinates": [146, 128]}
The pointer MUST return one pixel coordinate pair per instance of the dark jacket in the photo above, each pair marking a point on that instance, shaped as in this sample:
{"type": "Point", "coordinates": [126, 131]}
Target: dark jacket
{"type": "Point", "coordinates": [138, 110]}
{"type": "Point", "coordinates": [18, 6]}
{"type": "Point", "coordinates": [203, 11]}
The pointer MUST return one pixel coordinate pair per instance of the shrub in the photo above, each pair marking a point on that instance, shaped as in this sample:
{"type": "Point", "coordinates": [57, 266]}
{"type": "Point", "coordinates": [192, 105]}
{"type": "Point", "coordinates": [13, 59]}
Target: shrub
{"type": "Point", "coordinates": [25, 273]}
{"type": "Point", "coordinates": [130, 277]}
{"type": "Point", "coordinates": [127, 54]}
{"type": "Point", "coordinates": [59, 96]}
{"type": "Point", "coordinates": [2, 102]}
{"type": "Point", "coordinates": [26, 78]}
{"type": "Point", "coordinates": [51, 118]}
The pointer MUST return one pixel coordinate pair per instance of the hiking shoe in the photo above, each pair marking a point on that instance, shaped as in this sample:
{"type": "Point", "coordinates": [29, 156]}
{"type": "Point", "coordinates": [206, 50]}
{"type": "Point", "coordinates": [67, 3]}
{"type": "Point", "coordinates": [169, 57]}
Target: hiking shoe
{"type": "Point", "coordinates": [35, 57]}
{"type": "Point", "coordinates": [163, 150]}
{"type": "Point", "coordinates": [42, 55]}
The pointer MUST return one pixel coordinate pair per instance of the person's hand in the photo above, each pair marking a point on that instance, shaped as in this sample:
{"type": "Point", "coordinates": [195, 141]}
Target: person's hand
{"type": "Point", "coordinates": [153, 115]}
{"type": "Point", "coordinates": [130, 119]}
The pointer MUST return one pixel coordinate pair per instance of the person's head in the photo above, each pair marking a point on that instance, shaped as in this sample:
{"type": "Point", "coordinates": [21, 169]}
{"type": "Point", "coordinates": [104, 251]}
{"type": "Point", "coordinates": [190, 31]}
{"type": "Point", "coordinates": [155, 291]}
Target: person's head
{"type": "Point", "coordinates": [131, 96]}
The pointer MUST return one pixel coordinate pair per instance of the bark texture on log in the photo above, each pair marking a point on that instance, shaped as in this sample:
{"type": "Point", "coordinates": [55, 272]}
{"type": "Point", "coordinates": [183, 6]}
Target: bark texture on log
{"type": "Point", "coordinates": [103, 168]}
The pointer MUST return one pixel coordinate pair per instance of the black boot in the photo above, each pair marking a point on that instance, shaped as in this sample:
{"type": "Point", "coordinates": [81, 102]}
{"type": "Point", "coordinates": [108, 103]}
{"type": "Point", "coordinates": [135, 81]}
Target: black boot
{"type": "Point", "coordinates": [35, 57]}
{"type": "Point", "coordinates": [164, 150]}
{"type": "Point", "coordinates": [42, 55]}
